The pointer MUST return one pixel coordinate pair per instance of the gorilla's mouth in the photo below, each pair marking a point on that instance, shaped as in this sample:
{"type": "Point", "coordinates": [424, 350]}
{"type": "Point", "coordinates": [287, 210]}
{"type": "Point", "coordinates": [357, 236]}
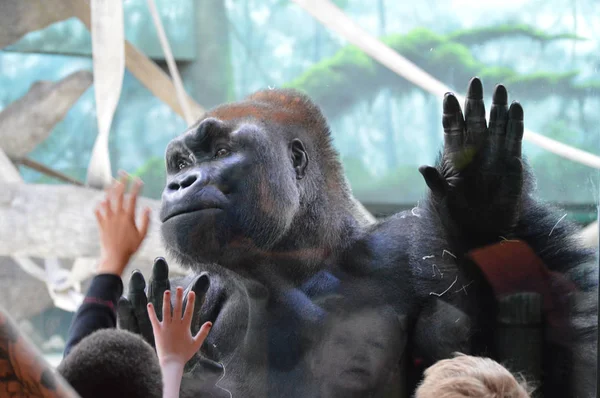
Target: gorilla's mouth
{"type": "Point", "coordinates": [357, 371]}
{"type": "Point", "coordinates": [198, 209]}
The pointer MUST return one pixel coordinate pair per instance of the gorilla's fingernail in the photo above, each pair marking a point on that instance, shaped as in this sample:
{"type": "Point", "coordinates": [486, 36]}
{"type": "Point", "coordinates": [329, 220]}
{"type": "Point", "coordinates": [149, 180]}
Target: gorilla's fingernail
{"type": "Point", "coordinates": [160, 270]}
{"type": "Point", "coordinates": [137, 280]}
{"type": "Point", "coordinates": [475, 90]}
{"type": "Point", "coordinates": [515, 111]}
{"type": "Point", "coordinates": [500, 95]}
{"type": "Point", "coordinates": [451, 104]}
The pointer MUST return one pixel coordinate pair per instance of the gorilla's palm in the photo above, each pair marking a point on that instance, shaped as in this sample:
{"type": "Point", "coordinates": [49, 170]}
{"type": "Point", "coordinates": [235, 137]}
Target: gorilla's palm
{"type": "Point", "coordinates": [480, 176]}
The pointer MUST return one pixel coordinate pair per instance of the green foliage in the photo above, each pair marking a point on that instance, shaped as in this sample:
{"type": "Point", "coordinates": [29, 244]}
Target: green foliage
{"type": "Point", "coordinates": [153, 174]}
{"type": "Point", "coordinates": [341, 3]}
{"type": "Point", "coordinates": [487, 33]}
{"type": "Point", "coordinates": [358, 175]}
{"type": "Point", "coordinates": [350, 74]}
{"type": "Point", "coordinates": [403, 183]}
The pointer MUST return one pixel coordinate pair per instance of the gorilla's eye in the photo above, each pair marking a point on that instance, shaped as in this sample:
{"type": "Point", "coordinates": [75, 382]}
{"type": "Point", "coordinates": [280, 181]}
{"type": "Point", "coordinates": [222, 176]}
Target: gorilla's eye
{"type": "Point", "coordinates": [221, 152]}
{"type": "Point", "coordinates": [181, 165]}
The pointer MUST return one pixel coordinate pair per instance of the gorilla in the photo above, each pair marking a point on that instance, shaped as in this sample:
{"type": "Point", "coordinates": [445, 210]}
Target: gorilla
{"type": "Point", "coordinates": [257, 207]}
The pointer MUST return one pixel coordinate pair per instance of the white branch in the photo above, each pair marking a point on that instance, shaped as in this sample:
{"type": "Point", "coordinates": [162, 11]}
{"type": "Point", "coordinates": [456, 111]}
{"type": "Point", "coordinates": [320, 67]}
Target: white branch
{"type": "Point", "coordinates": [8, 172]}
{"type": "Point", "coordinates": [143, 68]}
{"type": "Point", "coordinates": [164, 43]}
{"type": "Point", "coordinates": [19, 17]}
{"type": "Point", "coordinates": [108, 53]}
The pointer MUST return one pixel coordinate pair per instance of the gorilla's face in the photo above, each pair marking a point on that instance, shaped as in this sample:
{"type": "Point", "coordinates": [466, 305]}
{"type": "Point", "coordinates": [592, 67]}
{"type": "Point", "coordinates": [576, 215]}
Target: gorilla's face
{"type": "Point", "coordinates": [231, 189]}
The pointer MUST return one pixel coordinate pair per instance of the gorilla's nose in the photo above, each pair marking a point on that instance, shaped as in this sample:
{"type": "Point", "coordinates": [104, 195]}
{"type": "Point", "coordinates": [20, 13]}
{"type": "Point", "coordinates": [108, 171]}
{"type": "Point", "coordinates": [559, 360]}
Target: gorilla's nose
{"type": "Point", "coordinates": [183, 182]}
{"type": "Point", "coordinates": [189, 192]}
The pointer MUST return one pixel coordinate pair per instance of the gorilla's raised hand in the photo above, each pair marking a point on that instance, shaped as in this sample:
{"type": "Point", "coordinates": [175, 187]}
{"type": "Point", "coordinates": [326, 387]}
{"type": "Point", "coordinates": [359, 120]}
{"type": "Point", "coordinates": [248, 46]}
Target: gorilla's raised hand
{"type": "Point", "coordinates": [132, 313]}
{"type": "Point", "coordinates": [478, 180]}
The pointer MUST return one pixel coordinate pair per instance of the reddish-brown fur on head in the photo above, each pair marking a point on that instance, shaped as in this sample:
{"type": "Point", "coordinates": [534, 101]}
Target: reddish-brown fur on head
{"type": "Point", "coordinates": [295, 116]}
{"type": "Point", "coordinates": [284, 107]}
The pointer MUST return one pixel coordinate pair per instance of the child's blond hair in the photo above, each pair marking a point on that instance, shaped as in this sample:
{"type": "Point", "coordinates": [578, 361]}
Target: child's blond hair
{"type": "Point", "coordinates": [466, 376]}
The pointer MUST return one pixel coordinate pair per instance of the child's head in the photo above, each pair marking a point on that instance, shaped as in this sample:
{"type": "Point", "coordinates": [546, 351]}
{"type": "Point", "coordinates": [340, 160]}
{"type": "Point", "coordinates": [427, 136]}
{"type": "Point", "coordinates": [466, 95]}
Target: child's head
{"type": "Point", "coordinates": [470, 377]}
{"type": "Point", "coordinates": [359, 350]}
{"type": "Point", "coordinates": [113, 363]}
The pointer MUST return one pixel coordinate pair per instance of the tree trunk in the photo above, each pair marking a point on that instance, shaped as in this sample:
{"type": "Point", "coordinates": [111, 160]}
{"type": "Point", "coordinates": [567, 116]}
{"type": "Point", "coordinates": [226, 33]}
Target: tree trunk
{"type": "Point", "coordinates": [211, 72]}
{"type": "Point", "coordinates": [28, 121]}
{"type": "Point", "coordinates": [19, 17]}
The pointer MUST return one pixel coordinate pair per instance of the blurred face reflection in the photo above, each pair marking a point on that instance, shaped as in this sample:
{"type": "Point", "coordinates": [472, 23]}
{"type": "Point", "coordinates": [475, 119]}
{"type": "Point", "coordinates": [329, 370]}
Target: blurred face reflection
{"type": "Point", "coordinates": [357, 354]}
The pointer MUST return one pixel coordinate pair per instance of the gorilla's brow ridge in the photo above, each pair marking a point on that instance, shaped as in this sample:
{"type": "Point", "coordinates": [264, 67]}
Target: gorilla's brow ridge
{"type": "Point", "coordinates": [207, 130]}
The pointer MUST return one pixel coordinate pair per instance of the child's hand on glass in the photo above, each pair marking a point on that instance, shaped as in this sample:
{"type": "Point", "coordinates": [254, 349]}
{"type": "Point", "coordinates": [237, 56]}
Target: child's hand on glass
{"type": "Point", "coordinates": [173, 336]}
{"type": "Point", "coordinates": [120, 237]}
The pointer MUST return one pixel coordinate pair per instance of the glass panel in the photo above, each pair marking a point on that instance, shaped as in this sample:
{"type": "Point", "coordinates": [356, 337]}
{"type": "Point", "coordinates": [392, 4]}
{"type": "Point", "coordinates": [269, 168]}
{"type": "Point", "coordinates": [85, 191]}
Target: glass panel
{"type": "Point", "coordinates": [308, 296]}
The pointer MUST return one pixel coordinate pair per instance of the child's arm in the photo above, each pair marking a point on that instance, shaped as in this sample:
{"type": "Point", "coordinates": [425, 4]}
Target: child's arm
{"type": "Point", "coordinates": [120, 239]}
{"type": "Point", "coordinates": [175, 344]}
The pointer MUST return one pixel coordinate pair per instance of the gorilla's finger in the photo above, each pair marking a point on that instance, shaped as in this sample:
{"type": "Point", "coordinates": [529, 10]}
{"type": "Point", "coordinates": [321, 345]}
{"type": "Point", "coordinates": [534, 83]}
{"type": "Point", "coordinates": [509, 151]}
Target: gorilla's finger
{"type": "Point", "coordinates": [434, 180]}
{"type": "Point", "coordinates": [125, 316]}
{"type": "Point", "coordinates": [454, 124]}
{"type": "Point", "coordinates": [206, 372]}
{"type": "Point", "coordinates": [159, 284]}
{"type": "Point", "coordinates": [499, 112]}
{"type": "Point", "coordinates": [199, 286]}
{"type": "Point", "coordinates": [137, 296]}
{"type": "Point", "coordinates": [514, 129]}
{"type": "Point", "coordinates": [475, 112]}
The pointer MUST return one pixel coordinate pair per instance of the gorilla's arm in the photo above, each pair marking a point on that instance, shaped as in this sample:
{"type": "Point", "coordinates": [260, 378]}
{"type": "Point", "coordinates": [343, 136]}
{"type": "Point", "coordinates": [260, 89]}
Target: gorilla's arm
{"type": "Point", "coordinates": [481, 193]}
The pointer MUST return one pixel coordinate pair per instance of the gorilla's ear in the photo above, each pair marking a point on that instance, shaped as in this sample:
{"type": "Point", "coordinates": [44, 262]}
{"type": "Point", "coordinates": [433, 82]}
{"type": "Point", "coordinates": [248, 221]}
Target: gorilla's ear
{"type": "Point", "coordinates": [299, 157]}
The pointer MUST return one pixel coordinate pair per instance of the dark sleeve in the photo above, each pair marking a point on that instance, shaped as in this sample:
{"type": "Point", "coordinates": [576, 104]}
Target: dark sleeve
{"type": "Point", "coordinates": [98, 310]}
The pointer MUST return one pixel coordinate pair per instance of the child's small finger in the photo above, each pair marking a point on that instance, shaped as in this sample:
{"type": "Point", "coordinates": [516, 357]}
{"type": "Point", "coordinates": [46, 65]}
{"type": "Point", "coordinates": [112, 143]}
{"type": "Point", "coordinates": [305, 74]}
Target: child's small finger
{"type": "Point", "coordinates": [178, 304]}
{"type": "Point", "coordinates": [111, 190]}
{"type": "Point", "coordinates": [133, 195]}
{"type": "Point", "coordinates": [202, 335]}
{"type": "Point", "coordinates": [167, 307]}
{"type": "Point", "coordinates": [106, 208]}
{"type": "Point", "coordinates": [145, 223]}
{"type": "Point", "coordinates": [120, 193]}
{"type": "Point", "coordinates": [99, 216]}
{"type": "Point", "coordinates": [123, 176]}
{"type": "Point", "coordinates": [189, 307]}
{"type": "Point", "coordinates": [153, 318]}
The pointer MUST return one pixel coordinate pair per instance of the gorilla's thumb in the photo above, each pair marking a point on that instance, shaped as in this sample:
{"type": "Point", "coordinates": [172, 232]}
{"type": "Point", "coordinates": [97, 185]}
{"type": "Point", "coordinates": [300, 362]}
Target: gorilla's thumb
{"type": "Point", "coordinates": [434, 180]}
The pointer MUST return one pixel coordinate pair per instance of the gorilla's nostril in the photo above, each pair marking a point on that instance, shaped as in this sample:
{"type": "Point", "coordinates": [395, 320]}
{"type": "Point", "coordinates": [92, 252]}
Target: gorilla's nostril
{"type": "Point", "coordinates": [183, 183]}
{"type": "Point", "coordinates": [188, 180]}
